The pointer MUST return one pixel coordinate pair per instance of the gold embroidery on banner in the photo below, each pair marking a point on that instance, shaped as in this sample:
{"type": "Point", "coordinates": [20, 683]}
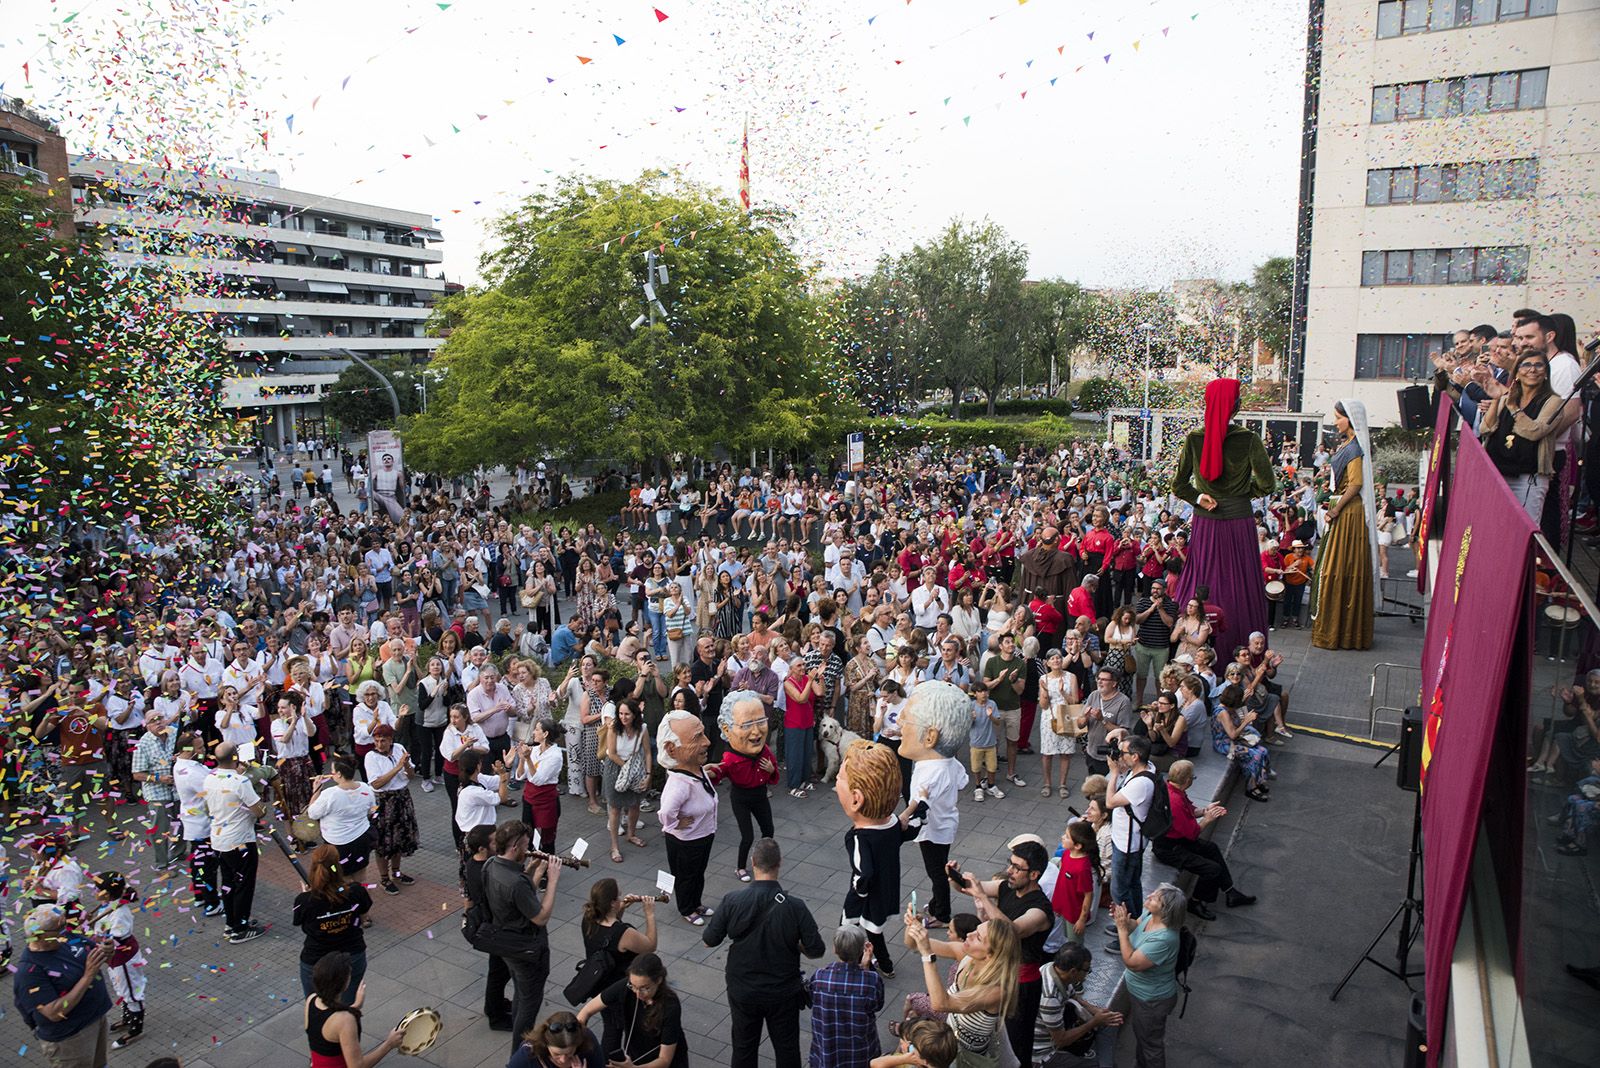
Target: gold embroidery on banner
{"type": "Point", "coordinates": [1461, 560]}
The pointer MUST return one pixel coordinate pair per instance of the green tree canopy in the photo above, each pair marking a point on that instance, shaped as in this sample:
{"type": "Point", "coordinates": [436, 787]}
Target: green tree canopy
{"type": "Point", "coordinates": [360, 403]}
{"type": "Point", "coordinates": [544, 360]}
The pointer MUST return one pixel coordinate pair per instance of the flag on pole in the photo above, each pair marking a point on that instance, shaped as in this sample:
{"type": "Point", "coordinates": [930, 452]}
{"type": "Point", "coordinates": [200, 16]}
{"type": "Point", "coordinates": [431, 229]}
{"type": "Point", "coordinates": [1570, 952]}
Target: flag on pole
{"type": "Point", "coordinates": [744, 167]}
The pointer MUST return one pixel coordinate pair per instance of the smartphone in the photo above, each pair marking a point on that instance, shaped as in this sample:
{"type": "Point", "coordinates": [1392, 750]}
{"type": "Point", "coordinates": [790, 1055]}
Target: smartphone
{"type": "Point", "coordinates": [247, 752]}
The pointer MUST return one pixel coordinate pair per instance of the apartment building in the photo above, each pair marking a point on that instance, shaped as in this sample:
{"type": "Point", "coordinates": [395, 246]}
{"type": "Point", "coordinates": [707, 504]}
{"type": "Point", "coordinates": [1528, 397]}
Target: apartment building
{"type": "Point", "coordinates": [295, 280]}
{"type": "Point", "coordinates": [1450, 174]}
{"type": "Point", "coordinates": [33, 152]}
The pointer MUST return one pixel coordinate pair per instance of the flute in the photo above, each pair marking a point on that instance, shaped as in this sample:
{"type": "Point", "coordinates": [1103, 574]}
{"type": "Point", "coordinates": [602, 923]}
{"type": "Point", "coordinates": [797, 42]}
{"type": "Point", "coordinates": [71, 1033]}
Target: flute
{"type": "Point", "coordinates": [661, 898]}
{"type": "Point", "coordinates": [571, 862]}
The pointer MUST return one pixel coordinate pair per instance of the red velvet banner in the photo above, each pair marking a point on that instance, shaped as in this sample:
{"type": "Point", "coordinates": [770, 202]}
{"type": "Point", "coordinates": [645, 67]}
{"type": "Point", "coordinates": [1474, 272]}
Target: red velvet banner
{"type": "Point", "coordinates": [1470, 692]}
{"type": "Point", "coordinates": [1438, 458]}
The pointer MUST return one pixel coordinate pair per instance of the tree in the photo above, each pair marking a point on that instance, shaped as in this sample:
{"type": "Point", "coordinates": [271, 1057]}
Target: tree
{"type": "Point", "coordinates": [1057, 313]}
{"type": "Point", "coordinates": [968, 287]}
{"type": "Point", "coordinates": [360, 403]}
{"type": "Point", "coordinates": [545, 359]}
{"type": "Point", "coordinates": [1271, 300]}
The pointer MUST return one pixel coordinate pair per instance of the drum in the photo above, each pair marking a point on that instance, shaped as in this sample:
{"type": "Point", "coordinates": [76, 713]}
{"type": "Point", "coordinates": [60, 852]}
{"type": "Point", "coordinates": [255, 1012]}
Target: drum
{"type": "Point", "coordinates": [419, 1030]}
{"type": "Point", "coordinates": [1275, 590]}
{"type": "Point", "coordinates": [1562, 616]}
{"type": "Point", "coordinates": [305, 829]}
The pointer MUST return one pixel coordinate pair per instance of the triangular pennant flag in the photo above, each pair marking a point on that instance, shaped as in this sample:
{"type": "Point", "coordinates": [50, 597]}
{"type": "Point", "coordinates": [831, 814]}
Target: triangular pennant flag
{"type": "Point", "coordinates": [871, 20]}
{"type": "Point", "coordinates": [966, 120]}
{"type": "Point", "coordinates": [1060, 49]}
{"type": "Point", "coordinates": [314, 102]}
{"type": "Point", "coordinates": [288, 120]}
{"type": "Point", "coordinates": [947, 100]}
{"type": "Point", "coordinates": [620, 41]}
{"type": "Point", "coordinates": [1052, 81]}
{"type": "Point", "coordinates": [1164, 30]}
{"type": "Point", "coordinates": [584, 60]}
{"type": "Point", "coordinates": [1107, 57]}
{"type": "Point", "coordinates": [661, 16]}
{"type": "Point", "coordinates": [27, 75]}
{"type": "Point", "coordinates": [454, 128]}
{"type": "Point", "coordinates": [1136, 46]}
{"type": "Point", "coordinates": [608, 246]}
{"type": "Point", "coordinates": [549, 80]}
{"type": "Point", "coordinates": [1091, 35]}
{"type": "Point", "coordinates": [480, 117]}
{"type": "Point", "coordinates": [1028, 64]}
{"type": "Point", "coordinates": [429, 141]}
{"type": "Point", "coordinates": [346, 83]}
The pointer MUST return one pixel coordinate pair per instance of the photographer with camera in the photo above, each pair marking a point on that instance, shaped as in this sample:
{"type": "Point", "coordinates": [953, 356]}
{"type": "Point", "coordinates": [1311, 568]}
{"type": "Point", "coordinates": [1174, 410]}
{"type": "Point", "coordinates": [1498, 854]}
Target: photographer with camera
{"type": "Point", "coordinates": [1105, 710]}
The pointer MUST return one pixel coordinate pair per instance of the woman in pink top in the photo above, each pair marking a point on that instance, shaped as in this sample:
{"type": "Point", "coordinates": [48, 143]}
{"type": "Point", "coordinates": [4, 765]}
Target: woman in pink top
{"type": "Point", "coordinates": [799, 725]}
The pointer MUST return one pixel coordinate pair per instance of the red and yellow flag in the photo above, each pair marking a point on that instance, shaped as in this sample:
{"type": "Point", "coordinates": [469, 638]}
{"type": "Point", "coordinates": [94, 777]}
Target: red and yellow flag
{"type": "Point", "coordinates": [744, 168]}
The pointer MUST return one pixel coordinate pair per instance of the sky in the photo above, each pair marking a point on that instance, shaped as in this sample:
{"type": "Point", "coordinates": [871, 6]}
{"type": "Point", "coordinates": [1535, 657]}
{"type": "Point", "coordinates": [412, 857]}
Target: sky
{"type": "Point", "coordinates": [1124, 143]}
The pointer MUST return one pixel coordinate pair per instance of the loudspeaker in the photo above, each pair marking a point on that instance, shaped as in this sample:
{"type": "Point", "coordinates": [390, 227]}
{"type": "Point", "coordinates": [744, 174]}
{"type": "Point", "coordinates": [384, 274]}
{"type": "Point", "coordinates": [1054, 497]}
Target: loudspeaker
{"type": "Point", "coordinates": [1415, 412]}
{"type": "Point", "coordinates": [1416, 1055]}
{"type": "Point", "coordinates": [1409, 774]}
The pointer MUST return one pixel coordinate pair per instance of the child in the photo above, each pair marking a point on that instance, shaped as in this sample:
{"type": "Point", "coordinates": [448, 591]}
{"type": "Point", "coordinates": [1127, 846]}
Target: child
{"type": "Point", "coordinates": [125, 967]}
{"type": "Point", "coordinates": [928, 1043]}
{"type": "Point", "coordinates": [985, 717]}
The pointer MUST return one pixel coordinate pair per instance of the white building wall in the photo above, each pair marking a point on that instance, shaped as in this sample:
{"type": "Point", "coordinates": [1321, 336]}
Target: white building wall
{"type": "Point", "coordinates": [1561, 223]}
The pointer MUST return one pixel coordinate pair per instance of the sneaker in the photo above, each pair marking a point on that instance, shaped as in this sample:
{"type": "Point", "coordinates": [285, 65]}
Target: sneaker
{"type": "Point", "coordinates": [696, 919]}
{"type": "Point", "coordinates": [212, 910]}
{"type": "Point", "coordinates": [995, 792]}
{"type": "Point", "coordinates": [404, 880]}
{"type": "Point", "coordinates": [125, 1041]}
{"type": "Point", "coordinates": [427, 786]}
{"type": "Point", "coordinates": [1283, 732]}
{"type": "Point", "coordinates": [977, 795]}
{"type": "Point", "coordinates": [390, 888]}
{"type": "Point", "coordinates": [646, 806]}
{"type": "Point", "coordinates": [1014, 781]}
{"type": "Point", "coordinates": [743, 874]}
{"type": "Point", "coordinates": [246, 935]}
{"type": "Point", "coordinates": [1114, 947]}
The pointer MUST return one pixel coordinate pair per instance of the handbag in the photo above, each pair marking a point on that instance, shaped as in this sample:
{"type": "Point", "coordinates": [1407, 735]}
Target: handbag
{"type": "Point", "coordinates": [632, 776]}
{"type": "Point", "coordinates": [675, 634]}
{"type": "Point", "coordinates": [1068, 720]}
{"type": "Point", "coordinates": [591, 970]}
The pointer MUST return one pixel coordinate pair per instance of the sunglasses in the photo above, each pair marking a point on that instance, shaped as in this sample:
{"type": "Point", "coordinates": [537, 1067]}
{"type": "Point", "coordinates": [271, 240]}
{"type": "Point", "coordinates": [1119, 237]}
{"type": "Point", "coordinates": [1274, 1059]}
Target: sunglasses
{"type": "Point", "coordinates": [563, 1028]}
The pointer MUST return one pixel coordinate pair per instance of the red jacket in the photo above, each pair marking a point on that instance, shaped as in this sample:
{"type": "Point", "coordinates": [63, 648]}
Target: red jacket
{"type": "Point", "coordinates": [1184, 824]}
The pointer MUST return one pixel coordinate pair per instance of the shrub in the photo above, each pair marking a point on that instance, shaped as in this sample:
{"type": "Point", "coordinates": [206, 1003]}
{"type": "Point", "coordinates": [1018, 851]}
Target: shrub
{"type": "Point", "coordinates": [1395, 464]}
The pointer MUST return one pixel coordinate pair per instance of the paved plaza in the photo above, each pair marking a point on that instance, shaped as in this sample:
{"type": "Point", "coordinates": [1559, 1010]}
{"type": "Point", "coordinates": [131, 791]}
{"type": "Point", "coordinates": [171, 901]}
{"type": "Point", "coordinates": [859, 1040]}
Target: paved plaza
{"type": "Point", "coordinates": [1327, 858]}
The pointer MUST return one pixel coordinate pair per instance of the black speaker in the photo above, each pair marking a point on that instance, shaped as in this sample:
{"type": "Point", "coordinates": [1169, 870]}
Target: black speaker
{"type": "Point", "coordinates": [1409, 775]}
{"type": "Point", "coordinates": [1416, 1055]}
{"type": "Point", "coordinates": [1415, 411]}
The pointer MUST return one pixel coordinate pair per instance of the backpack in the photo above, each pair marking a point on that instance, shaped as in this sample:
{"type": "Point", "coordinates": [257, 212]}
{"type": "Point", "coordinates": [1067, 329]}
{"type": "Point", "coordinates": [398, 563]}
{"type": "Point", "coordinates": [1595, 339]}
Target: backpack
{"type": "Point", "coordinates": [1158, 820]}
{"type": "Point", "coordinates": [1188, 949]}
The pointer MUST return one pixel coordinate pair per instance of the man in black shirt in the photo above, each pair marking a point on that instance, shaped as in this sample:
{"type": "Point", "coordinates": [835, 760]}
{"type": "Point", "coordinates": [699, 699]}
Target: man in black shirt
{"type": "Point", "coordinates": [707, 677]}
{"type": "Point", "coordinates": [496, 1007]}
{"type": "Point", "coordinates": [1018, 898]}
{"type": "Point", "coordinates": [769, 930]}
{"type": "Point", "coordinates": [519, 920]}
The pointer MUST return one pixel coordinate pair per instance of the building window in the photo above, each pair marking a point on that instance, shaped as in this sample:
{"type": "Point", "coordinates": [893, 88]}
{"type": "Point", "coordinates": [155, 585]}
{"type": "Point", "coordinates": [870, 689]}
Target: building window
{"type": "Point", "coordinates": [1499, 266]}
{"type": "Point", "coordinates": [1397, 355]}
{"type": "Point", "coordinates": [1398, 18]}
{"type": "Point", "coordinates": [1514, 90]}
{"type": "Point", "coordinates": [1448, 183]}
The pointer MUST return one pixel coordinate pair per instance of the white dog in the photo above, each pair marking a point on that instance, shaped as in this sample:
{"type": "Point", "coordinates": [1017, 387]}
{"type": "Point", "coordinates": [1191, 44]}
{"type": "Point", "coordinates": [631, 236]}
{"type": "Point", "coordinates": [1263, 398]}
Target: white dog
{"type": "Point", "coordinates": [834, 740]}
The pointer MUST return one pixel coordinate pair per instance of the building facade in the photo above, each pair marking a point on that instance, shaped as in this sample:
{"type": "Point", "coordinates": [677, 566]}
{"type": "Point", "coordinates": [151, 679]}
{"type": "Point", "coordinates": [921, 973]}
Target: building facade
{"type": "Point", "coordinates": [301, 280]}
{"type": "Point", "coordinates": [1451, 173]}
{"type": "Point", "coordinates": [32, 151]}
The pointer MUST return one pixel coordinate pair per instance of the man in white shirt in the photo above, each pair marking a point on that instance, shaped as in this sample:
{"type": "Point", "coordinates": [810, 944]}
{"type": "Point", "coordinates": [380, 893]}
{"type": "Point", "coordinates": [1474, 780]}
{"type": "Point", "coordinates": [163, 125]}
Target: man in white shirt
{"type": "Point", "coordinates": [233, 806]}
{"type": "Point", "coordinates": [189, 781]}
{"type": "Point", "coordinates": [246, 676]}
{"type": "Point", "coordinates": [1534, 336]}
{"type": "Point", "coordinates": [490, 706]}
{"type": "Point", "coordinates": [878, 635]}
{"type": "Point", "coordinates": [849, 575]}
{"type": "Point", "coordinates": [1129, 802]}
{"type": "Point", "coordinates": [928, 600]}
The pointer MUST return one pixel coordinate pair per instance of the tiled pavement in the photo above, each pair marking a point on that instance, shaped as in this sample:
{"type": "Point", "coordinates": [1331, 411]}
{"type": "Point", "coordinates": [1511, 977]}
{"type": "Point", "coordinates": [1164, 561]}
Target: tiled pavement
{"type": "Point", "coordinates": [219, 1005]}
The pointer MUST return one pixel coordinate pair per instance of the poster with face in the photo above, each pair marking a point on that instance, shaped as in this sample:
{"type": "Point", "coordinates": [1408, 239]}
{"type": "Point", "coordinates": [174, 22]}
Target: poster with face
{"type": "Point", "coordinates": [386, 482]}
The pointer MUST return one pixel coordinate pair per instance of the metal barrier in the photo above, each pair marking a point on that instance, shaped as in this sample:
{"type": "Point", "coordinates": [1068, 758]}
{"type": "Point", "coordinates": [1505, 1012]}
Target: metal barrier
{"type": "Point", "coordinates": [1374, 706]}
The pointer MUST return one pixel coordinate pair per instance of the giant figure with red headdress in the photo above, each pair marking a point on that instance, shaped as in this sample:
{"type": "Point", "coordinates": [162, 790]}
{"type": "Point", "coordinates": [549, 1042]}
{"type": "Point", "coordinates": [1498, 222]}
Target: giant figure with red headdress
{"type": "Point", "coordinates": [1222, 467]}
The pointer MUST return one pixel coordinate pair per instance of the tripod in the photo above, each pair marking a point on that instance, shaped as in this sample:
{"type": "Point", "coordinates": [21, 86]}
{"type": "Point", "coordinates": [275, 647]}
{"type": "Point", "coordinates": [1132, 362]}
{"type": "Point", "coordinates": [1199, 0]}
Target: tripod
{"type": "Point", "coordinates": [1409, 915]}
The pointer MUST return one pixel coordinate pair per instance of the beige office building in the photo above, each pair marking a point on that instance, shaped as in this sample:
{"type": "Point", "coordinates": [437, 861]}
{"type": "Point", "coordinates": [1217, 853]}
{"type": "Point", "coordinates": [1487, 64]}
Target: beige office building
{"type": "Point", "coordinates": [1451, 176]}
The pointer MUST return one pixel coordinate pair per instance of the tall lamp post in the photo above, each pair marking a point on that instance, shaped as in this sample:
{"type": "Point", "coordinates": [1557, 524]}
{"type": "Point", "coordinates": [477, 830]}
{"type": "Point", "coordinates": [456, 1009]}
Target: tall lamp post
{"type": "Point", "coordinates": [1149, 330]}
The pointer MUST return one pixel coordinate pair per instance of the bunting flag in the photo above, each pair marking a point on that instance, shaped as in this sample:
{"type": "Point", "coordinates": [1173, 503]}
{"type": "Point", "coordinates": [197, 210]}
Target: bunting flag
{"type": "Point", "coordinates": [744, 167]}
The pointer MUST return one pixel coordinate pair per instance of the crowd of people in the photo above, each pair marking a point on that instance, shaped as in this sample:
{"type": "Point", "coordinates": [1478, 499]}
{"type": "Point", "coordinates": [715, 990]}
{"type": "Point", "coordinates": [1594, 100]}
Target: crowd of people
{"type": "Point", "coordinates": [911, 636]}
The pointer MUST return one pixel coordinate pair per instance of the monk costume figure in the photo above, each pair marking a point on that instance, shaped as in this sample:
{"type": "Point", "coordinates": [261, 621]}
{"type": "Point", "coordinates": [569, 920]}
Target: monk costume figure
{"type": "Point", "coordinates": [868, 785]}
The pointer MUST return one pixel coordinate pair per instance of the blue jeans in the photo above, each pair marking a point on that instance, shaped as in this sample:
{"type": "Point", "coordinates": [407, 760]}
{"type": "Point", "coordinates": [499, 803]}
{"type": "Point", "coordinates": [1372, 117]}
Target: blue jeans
{"type": "Point", "coordinates": [358, 969]}
{"type": "Point", "coordinates": [658, 632]}
{"type": "Point", "coordinates": [1127, 880]}
{"type": "Point", "coordinates": [797, 748]}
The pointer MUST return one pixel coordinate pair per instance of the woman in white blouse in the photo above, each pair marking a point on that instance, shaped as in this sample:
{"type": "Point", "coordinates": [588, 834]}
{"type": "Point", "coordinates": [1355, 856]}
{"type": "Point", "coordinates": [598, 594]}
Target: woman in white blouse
{"type": "Point", "coordinates": [389, 772]}
{"type": "Point", "coordinates": [905, 670]}
{"type": "Point", "coordinates": [539, 766]}
{"type": "Point", "coordinates": [371, 710]}
{"type": "Point", "coordinates": [291, 745]}
{"type": "Point", "coordinates": [343, 807]}
{"type": "Point", "coordinates": [460, 737]}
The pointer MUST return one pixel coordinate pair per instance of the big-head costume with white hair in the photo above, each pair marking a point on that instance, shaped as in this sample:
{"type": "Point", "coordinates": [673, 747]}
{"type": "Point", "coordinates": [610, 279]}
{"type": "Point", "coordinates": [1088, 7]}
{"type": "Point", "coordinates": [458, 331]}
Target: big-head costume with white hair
{"type": "Point", "coordinates": [936, 722]}
{"type": "Point", "coordinates": [667, 734]}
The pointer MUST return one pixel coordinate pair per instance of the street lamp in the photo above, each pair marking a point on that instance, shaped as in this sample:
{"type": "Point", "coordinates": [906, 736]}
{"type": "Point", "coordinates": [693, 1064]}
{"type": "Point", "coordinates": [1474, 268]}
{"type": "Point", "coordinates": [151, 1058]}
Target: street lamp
{"type": "Point", "coordinates": [1149, 330]}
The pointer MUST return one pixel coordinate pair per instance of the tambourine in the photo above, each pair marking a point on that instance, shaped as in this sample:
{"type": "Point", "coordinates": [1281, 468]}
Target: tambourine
{"type": "Point", "coordinates": [1274, 590]}
{"type": "Point", "coordinates": [419, 1030]}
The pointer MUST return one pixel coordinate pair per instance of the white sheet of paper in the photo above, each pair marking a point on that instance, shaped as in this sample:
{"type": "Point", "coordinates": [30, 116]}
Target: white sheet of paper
{"type": "Point", "coordinates": [579, 848]}
{"type": "Point", "coordinates": [665, 881]}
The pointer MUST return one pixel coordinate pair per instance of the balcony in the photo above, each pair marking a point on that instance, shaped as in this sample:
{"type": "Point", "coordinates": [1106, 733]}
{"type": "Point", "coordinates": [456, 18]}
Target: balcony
{"type": "Point", "coordinates": [10, 165]}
